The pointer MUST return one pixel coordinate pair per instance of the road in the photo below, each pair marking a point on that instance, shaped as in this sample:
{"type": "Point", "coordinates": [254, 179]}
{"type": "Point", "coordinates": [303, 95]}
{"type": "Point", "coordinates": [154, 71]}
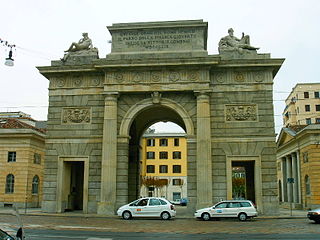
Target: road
{"type": "Point", "coordinates": [99, 228]}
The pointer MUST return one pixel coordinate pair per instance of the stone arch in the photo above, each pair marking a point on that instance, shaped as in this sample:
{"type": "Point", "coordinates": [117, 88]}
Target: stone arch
{"type": "Point", "coordinates": [148, 103]}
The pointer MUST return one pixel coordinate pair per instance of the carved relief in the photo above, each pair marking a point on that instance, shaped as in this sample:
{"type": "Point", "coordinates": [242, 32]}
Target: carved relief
{"type": "Point", "coordinates": [118, 77]}
{"type": "Point", "coordinates": [61, 82]}
{"type": "Point", "coordinates": [95, 82]}
{"type": "Point", "coordinates": [193, 75]}
{"type": "Point", "coordinates": [239, 77]}
{"type": "Point", "coordinates": [174, 76]}
{"type": "Point", "coordinates": [76, 115]}
{"type": "Point", "coordinates": [156, 76]}
{"type": "Point", "coordinates": [156, 97]}
{"type": "Point", "coordinates": [219, 77]}
{"type": "Point", "coordinates": [241, 112]}
{"type": "Point", "coordinates": [258, 76]}
{"type": "Point", "coordinates": [77, 81]}
{"type": "Point", "coordinates": [137, 76]}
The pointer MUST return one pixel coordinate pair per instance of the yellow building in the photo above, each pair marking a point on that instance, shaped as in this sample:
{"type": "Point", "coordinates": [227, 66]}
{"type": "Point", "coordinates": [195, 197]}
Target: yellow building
{"type": "Point", "coordinates": [22, 143]}
{"type": "Point", "coordinates": [298, 164]}
{"type": "Point", "coordinates": [302, 105]}
{"type": "Point", "coordinates": [164, 156]}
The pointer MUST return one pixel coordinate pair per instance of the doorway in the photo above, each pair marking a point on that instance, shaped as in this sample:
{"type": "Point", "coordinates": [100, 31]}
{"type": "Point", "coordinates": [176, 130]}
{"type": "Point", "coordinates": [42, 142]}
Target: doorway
{"type": "Point", "coordinates": [72, 189]}
{"type": "Point", "coordinates": [243, 180]}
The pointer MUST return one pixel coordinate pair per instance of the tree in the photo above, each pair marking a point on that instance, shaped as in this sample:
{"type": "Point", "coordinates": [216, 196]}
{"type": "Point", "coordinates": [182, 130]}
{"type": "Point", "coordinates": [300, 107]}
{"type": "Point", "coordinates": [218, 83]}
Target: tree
{"type": "Point", "coordinates": [155, 182]}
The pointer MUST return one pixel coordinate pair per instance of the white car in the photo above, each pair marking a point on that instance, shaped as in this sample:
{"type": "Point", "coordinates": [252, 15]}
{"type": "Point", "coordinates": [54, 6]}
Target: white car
{"type": "Point", "coordinates": [148, 207]}
{"type": "Point", "coordinates": [241, 209]}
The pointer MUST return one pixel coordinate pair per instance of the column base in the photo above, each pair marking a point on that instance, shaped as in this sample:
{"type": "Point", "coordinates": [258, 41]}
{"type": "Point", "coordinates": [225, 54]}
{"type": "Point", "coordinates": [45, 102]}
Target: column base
{"type": "Point", "coordinates": [106, 208]}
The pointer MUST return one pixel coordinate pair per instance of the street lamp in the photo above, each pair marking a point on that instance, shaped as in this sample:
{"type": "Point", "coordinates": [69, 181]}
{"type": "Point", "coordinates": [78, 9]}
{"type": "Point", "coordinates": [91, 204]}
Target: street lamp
{"type": "Point", "coordinates": [9, 60]}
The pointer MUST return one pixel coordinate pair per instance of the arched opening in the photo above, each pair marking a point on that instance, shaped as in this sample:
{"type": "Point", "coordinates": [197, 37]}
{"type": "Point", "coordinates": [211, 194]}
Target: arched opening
{"type": "Point", "coordinates": [163, 153]}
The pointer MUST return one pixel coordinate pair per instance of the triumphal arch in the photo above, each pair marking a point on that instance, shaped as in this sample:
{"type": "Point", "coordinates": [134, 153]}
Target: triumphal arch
{"type": "Point", "coordinates": [159, 71]}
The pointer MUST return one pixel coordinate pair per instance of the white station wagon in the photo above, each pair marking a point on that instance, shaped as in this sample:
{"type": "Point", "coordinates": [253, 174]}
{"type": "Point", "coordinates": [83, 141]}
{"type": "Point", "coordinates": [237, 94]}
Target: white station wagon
{"type": "Point", "coordinates": [148, 207]}
{"type": "Point", "coordinates": [241, 209]}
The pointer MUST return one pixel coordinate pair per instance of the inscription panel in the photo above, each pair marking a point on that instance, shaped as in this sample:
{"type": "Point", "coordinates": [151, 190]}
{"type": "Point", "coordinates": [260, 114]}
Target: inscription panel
{"type": "Point", "coordinates": [165, 38]}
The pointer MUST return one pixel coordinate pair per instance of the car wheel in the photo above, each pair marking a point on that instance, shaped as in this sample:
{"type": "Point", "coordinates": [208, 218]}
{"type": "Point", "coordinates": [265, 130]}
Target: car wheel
{"type": "Point", "coordinates": [242, 216]}
{"type": "Point", "coordinates": [126, 215]}
{"type": "Point", "coordinates": [205, 216]}
{"type": "Point", "coordinates": [165, 216]}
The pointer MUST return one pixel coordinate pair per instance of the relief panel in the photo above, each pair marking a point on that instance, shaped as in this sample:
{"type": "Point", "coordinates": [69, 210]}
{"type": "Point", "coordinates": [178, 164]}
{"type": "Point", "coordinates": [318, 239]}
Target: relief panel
{"type": "Point", "coordinates": [243, 112]}
{"type": "Point", "coordinates": [76, 115]}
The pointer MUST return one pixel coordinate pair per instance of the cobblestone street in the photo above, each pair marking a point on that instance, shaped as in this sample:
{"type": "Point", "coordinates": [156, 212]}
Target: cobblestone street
{"type": "Point", "coordinates": [260, 225]}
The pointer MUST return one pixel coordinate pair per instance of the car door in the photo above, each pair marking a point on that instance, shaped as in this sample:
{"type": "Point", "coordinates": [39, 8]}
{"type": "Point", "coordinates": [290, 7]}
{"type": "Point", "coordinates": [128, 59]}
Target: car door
{"type": "Point", "coordinates": [139, 209]}
{"type": "Point", "coordinates": [154, 208]}
{"type": "Point", "coordinates": [233, 209]}
{"type": "Point", "coordinates": [219, 210]}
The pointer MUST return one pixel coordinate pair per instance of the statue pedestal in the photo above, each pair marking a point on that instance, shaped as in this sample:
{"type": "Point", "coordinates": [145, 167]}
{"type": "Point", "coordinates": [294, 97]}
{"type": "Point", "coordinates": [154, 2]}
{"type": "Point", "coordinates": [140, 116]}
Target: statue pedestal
{"type": "Point", "coordinates": [78, 57]}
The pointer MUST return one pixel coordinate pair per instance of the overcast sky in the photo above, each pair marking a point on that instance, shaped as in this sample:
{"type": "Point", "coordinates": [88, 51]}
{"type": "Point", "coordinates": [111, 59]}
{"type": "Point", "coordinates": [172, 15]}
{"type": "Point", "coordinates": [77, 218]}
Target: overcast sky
{"type": "Point", "coordinates": [43, 29]}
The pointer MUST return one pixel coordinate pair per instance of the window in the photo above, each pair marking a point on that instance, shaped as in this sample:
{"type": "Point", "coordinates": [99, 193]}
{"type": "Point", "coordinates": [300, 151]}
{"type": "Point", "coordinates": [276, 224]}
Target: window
{"type": "Point", "coordinates": [222, 205]}
{"type": "Point", "coordinates": [176, 169]}
{"type": "Point", "coordinates": [151, 142]}
{"type": "Point", "coordinates": [317, 108]}
{"type": "Point", "coordinates": [316, 94]}
{"type": "Point", "coordinates": [12, 156]}
{"type": "Point", "coordinates": [163, 142]}
{"type": "Point", "coordinates": [163, 169]}
{"type": "Point", "coordinates": [154, 202]}
{"type": "Point", "coordinates": [10, 183]}
{"type": "Point", "coordinates": [306, 94]}
{"type": "Point", "coordinates": [35, 185]}
{"type": "Point", "coordinates": [308, 121]}
{"type": "Point", "coordinates": [176, 142]}
{"type": "Point", "coordinates": [163, 155]}
{"type": "Point", "coordinates": [37, 158]}
{"type": "Point", "coordinates": [234, 205]}
{"type": "Point", "coordinates": [176, 196]}
{"type": "Point", "coordinates": [150, 169]}
{"type": "Point", "coordinates": [317, 120]}
{"type": "Point", "coordinates": [150, 155]}
{"type": "Point", "coordinates": [307, 108]}
{"type": "Point", "coordinates": [245, 204]}
{"type": "Point", "coordinates": [176, 155]}
{"type": "Point", "coordinates": [176, 182]}
{"type": "Point", "coordinates": [307, 185]}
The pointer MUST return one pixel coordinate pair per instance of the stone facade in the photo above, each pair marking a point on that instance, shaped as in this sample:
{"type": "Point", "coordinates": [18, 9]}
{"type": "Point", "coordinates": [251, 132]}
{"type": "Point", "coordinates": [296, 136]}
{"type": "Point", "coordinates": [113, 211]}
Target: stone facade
{"type": "Point", "coordinates": [159, 71]}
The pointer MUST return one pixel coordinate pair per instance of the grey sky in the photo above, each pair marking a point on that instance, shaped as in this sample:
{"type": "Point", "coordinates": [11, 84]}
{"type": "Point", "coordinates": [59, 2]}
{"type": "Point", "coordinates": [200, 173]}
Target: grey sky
{"type": "Point", "coordinates": [42, 29]}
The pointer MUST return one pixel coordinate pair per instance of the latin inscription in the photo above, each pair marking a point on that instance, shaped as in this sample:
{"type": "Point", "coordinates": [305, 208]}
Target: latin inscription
{"type": "Point", "coordinates": [156, 39]}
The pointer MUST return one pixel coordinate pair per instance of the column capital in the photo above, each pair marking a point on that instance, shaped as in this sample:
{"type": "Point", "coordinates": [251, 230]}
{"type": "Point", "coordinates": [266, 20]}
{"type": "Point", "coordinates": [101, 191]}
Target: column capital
{"type": "Point", "coordinates": [202, 94]}
{"type": "Point", "coordinates": [111, 96]}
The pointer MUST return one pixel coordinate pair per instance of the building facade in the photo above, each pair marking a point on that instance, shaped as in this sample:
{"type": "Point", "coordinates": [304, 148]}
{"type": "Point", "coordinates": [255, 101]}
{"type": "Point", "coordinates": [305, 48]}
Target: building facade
{"type": "Point", "coordinates": [164, 156]}
{"type": "Point", "coordinates": [302, 105]}
{"type": "Point", "coordinates": [298, 166]}
{"type": "Point", "coordinates": [159, 71]}
{"type": "Point", "coordinates": [22, 147]}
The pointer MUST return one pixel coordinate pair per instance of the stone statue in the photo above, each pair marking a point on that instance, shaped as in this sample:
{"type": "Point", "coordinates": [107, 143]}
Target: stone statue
{"type": "Point", "coordinates": [83, 44]}
{"type": "Point", "coordinates": [232, 43]}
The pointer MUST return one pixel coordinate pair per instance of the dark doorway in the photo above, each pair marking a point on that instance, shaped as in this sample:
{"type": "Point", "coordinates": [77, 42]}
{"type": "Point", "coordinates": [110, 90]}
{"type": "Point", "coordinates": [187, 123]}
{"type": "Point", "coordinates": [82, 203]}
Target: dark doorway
{"type": "Point", "coordinates": [75, 198]}
{"type": "Point", "coordinates": [243, 180]}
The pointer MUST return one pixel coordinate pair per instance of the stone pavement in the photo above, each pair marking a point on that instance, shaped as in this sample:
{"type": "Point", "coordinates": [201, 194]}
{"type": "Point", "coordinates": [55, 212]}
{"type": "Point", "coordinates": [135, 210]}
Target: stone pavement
{"type": "Point", "coordinates": [181, 213]}
{"type": "Point", "coordinates": [35, 219]}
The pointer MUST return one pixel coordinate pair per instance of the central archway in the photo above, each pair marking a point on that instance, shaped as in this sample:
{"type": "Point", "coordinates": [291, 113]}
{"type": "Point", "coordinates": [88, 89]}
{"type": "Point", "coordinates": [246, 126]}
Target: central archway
{"type": "Point", "coordinates": [141, 116]}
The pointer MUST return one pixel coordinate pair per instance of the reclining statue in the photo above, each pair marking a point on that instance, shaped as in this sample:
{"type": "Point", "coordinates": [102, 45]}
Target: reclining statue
{"type": "Point", "coordinates": [232, 43]}
{"type": "Point", "coordinates": [84, 43]}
